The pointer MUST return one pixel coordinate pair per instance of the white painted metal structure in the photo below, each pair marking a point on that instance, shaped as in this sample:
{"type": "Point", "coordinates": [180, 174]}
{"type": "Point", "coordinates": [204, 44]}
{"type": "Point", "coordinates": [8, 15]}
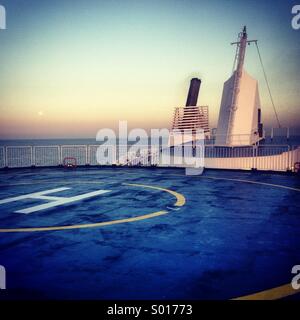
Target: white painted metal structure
{"type": "Point", "coordinates": [191, 118]}
{"type": "Point", "coordinates": [264, 157]}
{"type": "Point", "coordinates": [238, 115]}
{"type": "Point", "coordinates": [193, 121]}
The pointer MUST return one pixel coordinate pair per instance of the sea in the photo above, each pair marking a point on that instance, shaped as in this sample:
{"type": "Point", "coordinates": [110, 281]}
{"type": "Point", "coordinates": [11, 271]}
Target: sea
{"type": "Point", "coordinates": [56, 142]}
{"type": "Point", "coordinates": [276, 140]}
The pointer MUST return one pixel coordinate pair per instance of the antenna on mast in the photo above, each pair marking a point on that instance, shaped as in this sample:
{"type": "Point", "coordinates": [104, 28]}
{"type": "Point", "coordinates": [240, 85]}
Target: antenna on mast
{"type": "Point", "coordinates": [240, 58]}
{"type": "Point", "coordinates": [240, 111]}
{"type": "Point", "coordinates": [241, 47]}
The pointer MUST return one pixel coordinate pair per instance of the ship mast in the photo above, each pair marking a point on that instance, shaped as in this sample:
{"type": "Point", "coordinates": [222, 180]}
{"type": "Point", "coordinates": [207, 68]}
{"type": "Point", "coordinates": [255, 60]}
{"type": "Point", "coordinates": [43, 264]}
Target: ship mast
{"type": "Point", "coordinates": [242, 44]}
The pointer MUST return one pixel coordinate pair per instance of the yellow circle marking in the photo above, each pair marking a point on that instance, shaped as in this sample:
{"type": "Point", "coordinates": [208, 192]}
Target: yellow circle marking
{"type": "Point", "coordinates": [180, 201]}
{"type": "Point", "coordinates": [88, 225]}
{"type": "Point", "coordinates": [272, 294]}
{"type": "Point", "coordinates": [180, 198]}
{"type": "Point", "coordinates": [238, 180]}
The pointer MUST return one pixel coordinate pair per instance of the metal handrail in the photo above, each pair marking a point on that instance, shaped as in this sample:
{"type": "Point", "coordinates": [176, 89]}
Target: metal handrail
{"type": "Point", "coordinates": [277, 157]}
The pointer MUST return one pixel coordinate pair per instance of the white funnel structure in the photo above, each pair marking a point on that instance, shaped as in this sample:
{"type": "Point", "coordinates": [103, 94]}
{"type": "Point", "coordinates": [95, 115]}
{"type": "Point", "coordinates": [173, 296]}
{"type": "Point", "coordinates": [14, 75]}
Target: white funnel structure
{"type": "Point", "coordinates": [238, 123]}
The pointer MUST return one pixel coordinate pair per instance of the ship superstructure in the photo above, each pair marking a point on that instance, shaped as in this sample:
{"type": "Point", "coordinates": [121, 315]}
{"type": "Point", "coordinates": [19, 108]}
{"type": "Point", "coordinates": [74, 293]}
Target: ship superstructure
{"type": "Point", "coordinates": [190, 118]}
{"type": "Point", "coordinates": [240, 112]}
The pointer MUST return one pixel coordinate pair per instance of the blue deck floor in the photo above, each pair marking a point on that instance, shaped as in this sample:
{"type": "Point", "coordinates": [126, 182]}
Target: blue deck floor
{"type": "Point", "coordinates": [230, 239]}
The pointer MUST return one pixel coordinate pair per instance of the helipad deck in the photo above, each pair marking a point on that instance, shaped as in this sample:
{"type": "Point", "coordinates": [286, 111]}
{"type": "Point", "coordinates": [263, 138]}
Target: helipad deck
{"type": "Point", "coordinates": [153, 233]}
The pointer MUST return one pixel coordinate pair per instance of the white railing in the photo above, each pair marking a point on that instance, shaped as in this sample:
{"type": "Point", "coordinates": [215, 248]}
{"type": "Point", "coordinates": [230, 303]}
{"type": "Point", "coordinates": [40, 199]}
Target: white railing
{"type": "Point", "coordinates": [46, 156]}
{"type": "Point", "coordinates": [263, 157]}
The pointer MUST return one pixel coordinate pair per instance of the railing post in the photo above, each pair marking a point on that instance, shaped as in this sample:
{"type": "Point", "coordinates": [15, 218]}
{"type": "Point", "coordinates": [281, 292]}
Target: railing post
{"type": "Point", "coordinates": [254, 155]}
{"type": "Point", "coordinates": [6, 158]}
{"type": "Point", "coordinates": [60, 155]}
{"type": "Point", "coordinates": [86, 155]}
{"type": "Point", "coordinates": [32, 150]}
{"type": "Point", "coordinates": [289, 156]}
{"type": "Point", "coordinates": [272, 134]}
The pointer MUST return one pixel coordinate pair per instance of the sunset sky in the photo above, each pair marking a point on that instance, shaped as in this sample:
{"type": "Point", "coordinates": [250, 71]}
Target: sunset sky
{"type": "Point", "coordinates": [71, 67]}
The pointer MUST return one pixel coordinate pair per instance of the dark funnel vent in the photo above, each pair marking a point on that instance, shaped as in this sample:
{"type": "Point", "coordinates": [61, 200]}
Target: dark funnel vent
{"type": "Point", "coordinates": [192, 98]}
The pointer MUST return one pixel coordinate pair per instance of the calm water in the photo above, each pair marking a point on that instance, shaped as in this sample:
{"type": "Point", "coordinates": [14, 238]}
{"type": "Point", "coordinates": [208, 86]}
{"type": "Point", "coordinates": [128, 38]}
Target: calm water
{"type": "Point", "coordinates": [50, 142]}
{"type": "Point", "coordinates": [277, 140]}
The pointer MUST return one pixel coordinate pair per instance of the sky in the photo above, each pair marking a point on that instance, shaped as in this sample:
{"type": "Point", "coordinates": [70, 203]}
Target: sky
{"type": "Point", "coordinates": [71, 67]}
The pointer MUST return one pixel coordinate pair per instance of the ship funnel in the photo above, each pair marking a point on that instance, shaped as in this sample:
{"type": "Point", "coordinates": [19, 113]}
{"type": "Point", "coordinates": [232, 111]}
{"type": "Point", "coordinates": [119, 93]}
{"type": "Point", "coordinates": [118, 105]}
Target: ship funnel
{"type": "Point", "coordinates": [192, 98]}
